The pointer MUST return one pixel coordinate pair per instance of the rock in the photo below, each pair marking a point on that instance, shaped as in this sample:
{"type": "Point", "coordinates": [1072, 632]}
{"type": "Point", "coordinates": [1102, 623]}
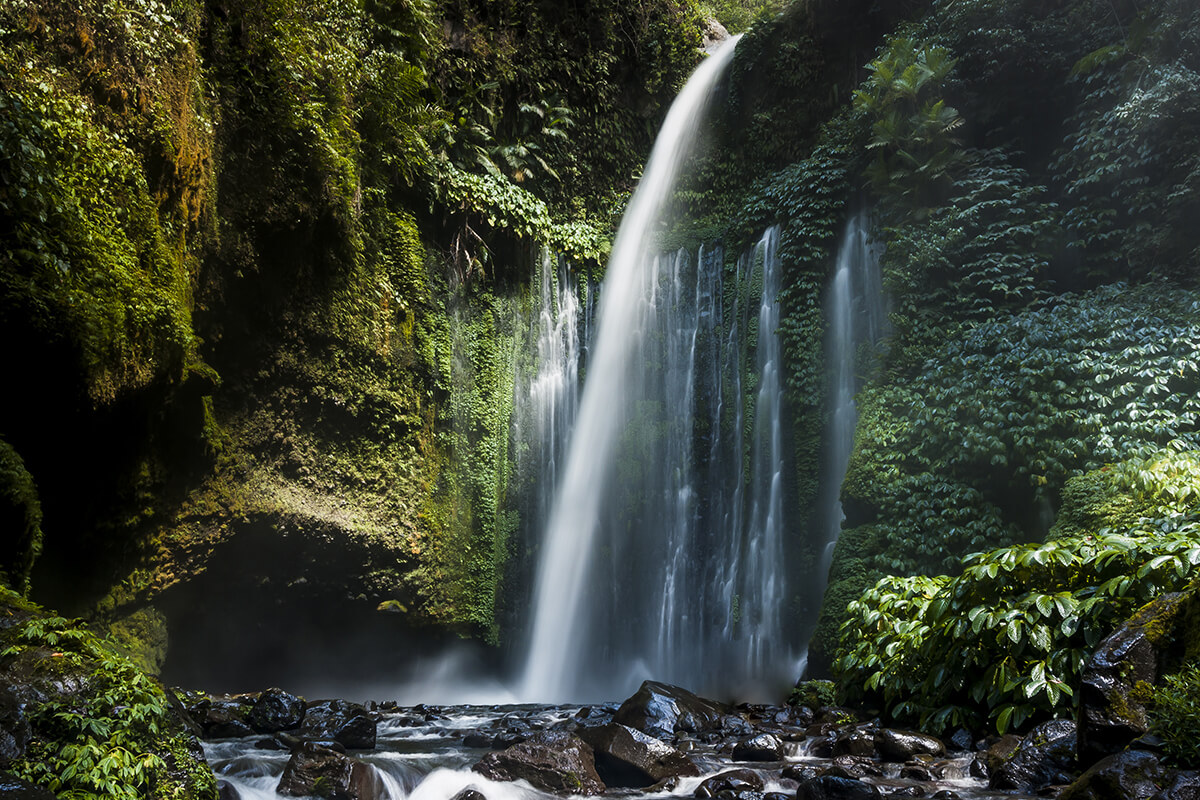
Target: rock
{"type": "Point", "coordinates": [962, 740]}
{"type": "Point", "coordinates": [316, 770]}
{"type": "Point", "coordinates": [829, 787]}
{"type": "Point", "coordinates": [223, 718]}
{"type": "Point", "coordinates": [856, 767]}
{"type": "Point", "coordinates": [776, 796]}
{"type": "Point", "coordinates": [907, 791]}
{"type": "Point", "coordinates": [764, 747]}
{"type": "Point", "coordinates": [734, 780]}
{"type": "Point", "coordinates": [893, 745]}
{"type": "Point", "coordinates": [477, 740]}
{"type": "Point", "coordinates": [14, 727]}
{"type": "Point", "coordinates": [853, 741]}
{"type": "Point", "coordinates": [1131, 775]}
{"type": "Point", "coordinates": [12, 788]}
{"type": "Point", "coordinates": [469, 793]}
{"type": "Point", "coordinates": [554, 761]}
{"type": "Point", "coordinates": [916, 772]}
{"type": "Point", "coordinates": [226, 791]}
{"type": "Point", "coordinates": [345, 722]}
{"type": "Point", "coordinates": [628, 757]}
{"type": "Point", "coordinates": [1183, 785]}
{"type": "Point", "coordinates": [979, 768]}
{"type": "Point", "coordinates": [1046, 756]}
{"type": "Point", "coordinates": [799, 772]}
{"type": "Point", "coordinates": [947, 794]}
{"type": "Point", "coordinates": [660, 710]}
{"type": "Point", "coordinates": [276, 710]}
{"type": "Point", "coordinates": [1000, 751]}
{"type": "Point", "coordinates": [1111, 713]}
{"type": "Point", "coordinates": [507, 739]}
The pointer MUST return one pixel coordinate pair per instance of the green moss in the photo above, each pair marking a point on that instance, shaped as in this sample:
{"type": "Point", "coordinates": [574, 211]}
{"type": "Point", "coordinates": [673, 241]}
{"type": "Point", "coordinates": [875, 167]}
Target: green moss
{"type": "Point", "coordinates": [21, 515]}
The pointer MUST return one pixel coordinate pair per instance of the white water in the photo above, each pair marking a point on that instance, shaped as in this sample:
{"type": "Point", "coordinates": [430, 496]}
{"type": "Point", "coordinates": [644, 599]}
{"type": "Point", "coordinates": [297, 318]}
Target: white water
{"type": "Point", "coordinates": [555, 643]}
{"type": "Point", "coordinates": [855, 311]}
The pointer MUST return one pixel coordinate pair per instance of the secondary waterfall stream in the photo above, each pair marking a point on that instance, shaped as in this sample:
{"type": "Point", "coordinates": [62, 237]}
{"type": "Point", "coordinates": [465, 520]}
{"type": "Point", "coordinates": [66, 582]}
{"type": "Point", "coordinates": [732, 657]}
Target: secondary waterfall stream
{"type": "Point", "coordinates": [663, 553]}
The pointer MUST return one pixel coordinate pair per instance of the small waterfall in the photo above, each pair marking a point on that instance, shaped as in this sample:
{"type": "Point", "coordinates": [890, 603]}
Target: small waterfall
{"type": "Point", "coordinates": [855, 311]}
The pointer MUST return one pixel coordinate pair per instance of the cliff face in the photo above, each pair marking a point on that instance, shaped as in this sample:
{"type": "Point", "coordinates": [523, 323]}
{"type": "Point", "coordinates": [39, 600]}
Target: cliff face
{"type": "Point", "coordinates": [262, 271]}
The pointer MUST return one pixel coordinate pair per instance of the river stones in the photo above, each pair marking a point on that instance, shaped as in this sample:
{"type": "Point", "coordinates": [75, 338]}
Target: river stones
{"type": "Point", "coordinates": [1044, 757]}
{"type": "Point", "coordinates": [349, 724]}
{"type": "Point", "coordinates": [1131, 774]}
{"type": "Point", "coordinates": [662, 710]}
{"type": "Point", "coordinates": [314, 770]}
{"type": "Point", "coordinates": [14, 727]}
{"type": "Point", "coordinates": [763, 747]}
{"type": "Point", "coordinates": [894, 745]}
{"type": "Point", "coordinates": [628, 757]}
{"type": "Point", "coordinates": [276, 710]}
{"type": "Point", "coordinates": [830, 787]}
{"type": "Point", "coordinates": [554, 761]}
{"type": "Point", "coordinates": [734, 781]}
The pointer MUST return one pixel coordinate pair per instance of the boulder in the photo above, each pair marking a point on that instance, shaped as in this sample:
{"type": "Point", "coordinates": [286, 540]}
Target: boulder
{"type": "Point", "coordinates": [854, 741]}
{"type": "Point", "coordinates": [469, 794]}
{"type": "Point", "coordinates": [14, 727]}
{"type": "Point", "coordinates": [856, 767]}
{"type": "Point", "coordinates": [628, 757]}
{"type": "Point", "coordinates": [893, 745]}
{"type": "Point", "coordinates": [733, 781]}
{"type": "Point", "coordinates": [316, 770]}
{"type": "Point", "coordinates": [830, 787]}
{"type": "Point", "coordinates": [553, 761]}
{"type": "Point", "coordinates": [223, 718]}
{"type": "Point", "coordinates": [1045, 757]}
{"type": "Point", "coordinates": [276, 710]}
{"type": "Point", "coordinates": [1112, 713]}
{"type": "Point", "coordinates": [1183, 785]}
{"type": "Point", "coordinates": [347, 723]}
{"type": "Point", "coordinates": [660, 710]}
{"type": "Point", "coordinates": [763, 747]}
{"type": "Point", "coordinates": [1131, 775]}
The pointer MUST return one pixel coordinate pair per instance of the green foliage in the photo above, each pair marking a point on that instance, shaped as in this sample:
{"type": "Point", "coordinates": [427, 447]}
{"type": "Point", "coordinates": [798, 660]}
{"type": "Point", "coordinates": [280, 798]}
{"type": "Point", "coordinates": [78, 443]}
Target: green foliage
{"type": "Point", "coordinates": [21, 517]}
{"type": "Point", "coordinates": [114, 736]}
{"type": "Point", "coordinates": [912, 127]}
{"type": "Point", "coordinates": [1175, 714]}
{"type": "Point", "coordinates": [738, 15]}
{"type": "Point", "coordinates": [814, 694]}
{"type": "Point", "coordinates": [1006, 640]}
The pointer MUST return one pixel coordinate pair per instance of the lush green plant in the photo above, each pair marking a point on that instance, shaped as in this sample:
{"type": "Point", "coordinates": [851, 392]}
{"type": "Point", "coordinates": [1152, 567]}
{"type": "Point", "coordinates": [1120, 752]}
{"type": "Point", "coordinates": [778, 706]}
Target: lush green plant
{"type": "Point", "coordinates": [813, 694]}
{"type": "Point", "coordinates": [1005, 641]}
{"type": "Point", "coordinates": [114, 736]}
{"type": "Point", "coordinates": [1175, 713]}
{"type": "Point", "coordinates": [21, 512]}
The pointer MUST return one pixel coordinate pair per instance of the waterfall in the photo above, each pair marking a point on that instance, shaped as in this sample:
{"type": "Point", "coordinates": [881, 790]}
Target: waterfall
{"type": "Point", "coordinates": [663, 554]}
{"type": "Point", "coordinates": [855, 312]}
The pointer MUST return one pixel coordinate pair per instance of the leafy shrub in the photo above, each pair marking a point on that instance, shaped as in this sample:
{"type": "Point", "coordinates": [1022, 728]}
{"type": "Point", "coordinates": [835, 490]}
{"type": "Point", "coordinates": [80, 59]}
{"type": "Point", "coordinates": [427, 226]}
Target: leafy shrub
{"type": "Point", "coordinates": [1175, 714]}
{"type": "Point", "coordinates": [1004, 641]}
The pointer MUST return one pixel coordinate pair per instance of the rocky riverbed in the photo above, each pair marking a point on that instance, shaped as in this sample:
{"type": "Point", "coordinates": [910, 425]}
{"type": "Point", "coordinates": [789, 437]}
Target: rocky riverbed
{"type": "Point", "coordinates": [662, 742]}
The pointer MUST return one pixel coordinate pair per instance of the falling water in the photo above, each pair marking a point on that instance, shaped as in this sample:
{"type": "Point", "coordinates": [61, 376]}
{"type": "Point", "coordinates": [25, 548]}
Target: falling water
{"type": "Point", "coordinates": [663, 557]}
{"type": "Point", "coordinates": [855, 312]}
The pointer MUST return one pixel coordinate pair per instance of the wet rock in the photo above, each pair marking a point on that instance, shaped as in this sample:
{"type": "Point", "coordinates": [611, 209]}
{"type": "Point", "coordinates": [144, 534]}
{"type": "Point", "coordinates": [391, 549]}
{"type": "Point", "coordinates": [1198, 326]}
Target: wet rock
{"type": "Point", "coordinates": [270, 743]}
{"type": "Point", "coordinates": [854, 741]}
{"type": "Point", "coordinates": [226, 791]}
{"type": "Point", "coordinates": [734, 780]}
{"type": "Point", "coordinates": [508, 738]}
{"type": "Point", "coordinates": [224, 718]}
{"type": "Point", "coordinates": [628, 757]}
{"type": "Point", "coordinates": [276, 710]}
{"type": "Point", "coordinates": [1000, 751]}
{"type": "Point", "coordinates": [946, 794]}
{"type": "Point", "coordinates": [799, 772]}
{"type": "Point", "coordinates": [314, 770]}
{"type": "Point", "coordinates": [764, 747]}
{"type": "Point", "coordinates": [830, 787]}
{"type": "Point", "coordinates": [661, 710]}
{"type": "Point", "coordinates": [979, 768]}
{"type": "Point", "coordinates": [1045, 757]}
{"type": "Point", "coordinates": [856, 767]}
{"type": "Point", "coordinates": [962, 740]}
{"type": "Point", "coordinates": [1111, 713]}
{"type": "Point", "coordinates": [1132, 775]}
{"type": "Point", "coordinates": [469, 793]}
{"type": "Point", "coordinates": [916, 772]}
{"type": "Point", "coordinates": [907, 791]}
{"type": "Point", "coordinates": [894, 745]}
{"type": "Point", "coordinates": [732, 725]}
{"type": "Point", "coordinates": [14, 727]}
{"type": "Point", "coordinates": [553, 761]}
{"type": "Point", "coordinates": [12, 788]}
{"type": "Point", "coordinates": [345, 722]}
{"type": "Point", "coordinates": [477, 740]}
{"type": "Point", "coordinates": [776, 796]}
{"type": "Point", "coordinates": [1183, 785]}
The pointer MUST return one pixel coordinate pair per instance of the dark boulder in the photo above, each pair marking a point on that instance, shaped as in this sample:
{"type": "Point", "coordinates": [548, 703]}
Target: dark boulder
{"type": "Point", "coordinates": [799, 772]}
{"type": "Point", "coordinates": [1183, 785]}
{"type": "Point", "coordinates": [856, 767]}
{"type": "Point", "coordinates": [477, 740]}
{"type": "Point", "coordinates": [734, 781]}
{"type": "Point", "coordinates": [469, 794]}
{"type": "Point", "coordinates": [342, 721]}
{"type": "Point", "coordinates": [14, 727]}
{"type": "Point", "coordinates": [276, 710]}
{"type": "Point", "coordinates": [1045, 757]}
{"type": "Point", "coordinates": [1111, 712]}
{"type": "Point", "coordinates": [224, 718]}
{"type": "Point", "coordinates": [853, 741]}
{"type": "Point", "coordinates": [893, 745]}
{"type": "Point", "coordinates": [554, 761]}
{"type": "Point", "coordinates": [660, 710]}
{"type": "Point", "coordinates": [763, 747]}
{"type": "Point", "coordinates": [314, 770]}
{"type": "Point", "coordinates": [12, 788]}
{"type": "Point", "coordinates": [1131, 775]}
{"type": "Point", "coordinates": [830, 787]}
{"type": "Point", "coordinates": [628, 757]}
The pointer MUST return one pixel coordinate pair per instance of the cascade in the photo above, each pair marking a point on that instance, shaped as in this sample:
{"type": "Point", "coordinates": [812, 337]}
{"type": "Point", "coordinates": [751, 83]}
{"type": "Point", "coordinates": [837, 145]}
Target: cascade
{"type": "Point", "coordinates": [855, 312]}
{"type": "Point", "coordinates": [662, 557]}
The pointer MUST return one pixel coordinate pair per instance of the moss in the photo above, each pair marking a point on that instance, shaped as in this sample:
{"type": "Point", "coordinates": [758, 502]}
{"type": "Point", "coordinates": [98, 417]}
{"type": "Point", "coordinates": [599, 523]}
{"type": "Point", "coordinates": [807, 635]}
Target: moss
{"type": "Point", "coordinates": [21, 515]}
